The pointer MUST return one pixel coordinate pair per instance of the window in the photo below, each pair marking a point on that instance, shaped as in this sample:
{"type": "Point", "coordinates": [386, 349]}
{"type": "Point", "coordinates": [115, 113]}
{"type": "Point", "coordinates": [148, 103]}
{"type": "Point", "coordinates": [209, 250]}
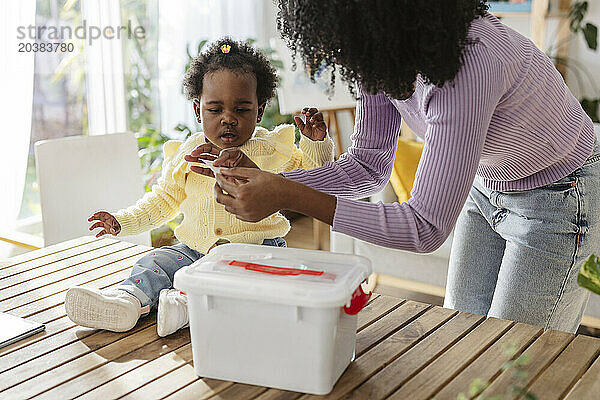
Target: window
{"type": "Point", "coordinates": [59, 91]}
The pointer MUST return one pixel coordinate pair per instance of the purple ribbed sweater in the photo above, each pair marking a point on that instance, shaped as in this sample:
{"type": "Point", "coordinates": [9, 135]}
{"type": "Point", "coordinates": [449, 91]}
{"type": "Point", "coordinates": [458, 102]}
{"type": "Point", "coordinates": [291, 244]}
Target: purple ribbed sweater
{"type": "Point", "coordinates": [508, 117]}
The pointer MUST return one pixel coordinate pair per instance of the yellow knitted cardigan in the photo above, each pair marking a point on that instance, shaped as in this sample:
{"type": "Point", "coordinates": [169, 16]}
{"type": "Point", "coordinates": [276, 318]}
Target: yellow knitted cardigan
{"type": "Point", "coordinates": [204, 220]}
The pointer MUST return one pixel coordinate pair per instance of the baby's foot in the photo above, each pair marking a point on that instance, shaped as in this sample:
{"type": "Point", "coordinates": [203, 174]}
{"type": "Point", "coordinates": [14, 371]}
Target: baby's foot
{"type": "Point", "coordinates": [172, 311]}
{"type": "Point", "coordinates": [111, 309]}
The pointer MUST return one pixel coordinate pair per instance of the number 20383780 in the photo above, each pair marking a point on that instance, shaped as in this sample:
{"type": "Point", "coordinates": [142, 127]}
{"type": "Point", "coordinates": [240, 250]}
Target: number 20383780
{"type": "Point", "coordinates": [46, 47]}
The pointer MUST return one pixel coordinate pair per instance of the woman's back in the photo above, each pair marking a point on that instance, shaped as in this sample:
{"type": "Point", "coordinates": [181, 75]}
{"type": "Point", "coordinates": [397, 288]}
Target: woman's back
{"type": "Point", "coordinates": [537, 133]}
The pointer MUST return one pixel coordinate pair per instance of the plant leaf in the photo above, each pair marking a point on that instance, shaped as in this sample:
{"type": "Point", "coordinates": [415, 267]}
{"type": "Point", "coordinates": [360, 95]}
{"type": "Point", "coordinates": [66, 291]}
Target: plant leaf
{"type": "Point", "coordinates": [589, 274]}
{"type": "Point", "coordinates": [590, 32]}
{"type": "Point", "coordinates": [522, 360]}
{"type": "Point", "coordinates": [477, 386]}
{"type": "Point", "coordinates": [576, 14]}
{"type": "Point", "coordinates": [200, 46]}
{"type": "Point", "coordinates": [520, 374]}
{"type": "Point", "coordinates": [509, 348]}
{"type": "Point", "coordinates": [530, 396]}
{"type": "Point", "coordinates": [69, 4]}
{"type": "Point", "coordinates": [590, 106]}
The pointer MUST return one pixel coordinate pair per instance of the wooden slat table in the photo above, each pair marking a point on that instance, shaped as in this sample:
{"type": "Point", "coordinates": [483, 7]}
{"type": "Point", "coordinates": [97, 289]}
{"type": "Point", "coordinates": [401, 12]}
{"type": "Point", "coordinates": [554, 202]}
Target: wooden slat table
{"type": "Point", "coordinates": [404, 349]}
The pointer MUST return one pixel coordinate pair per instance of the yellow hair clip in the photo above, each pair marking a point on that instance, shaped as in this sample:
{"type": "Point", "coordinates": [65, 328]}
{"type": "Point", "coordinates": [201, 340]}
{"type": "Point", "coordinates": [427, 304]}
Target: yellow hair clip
{"type": "Point", "coordinates": [225, 48]}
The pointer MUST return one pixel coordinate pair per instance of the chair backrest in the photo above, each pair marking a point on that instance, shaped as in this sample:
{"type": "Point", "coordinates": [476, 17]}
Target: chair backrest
{"type": "Point", "coordinates": [80, 175]}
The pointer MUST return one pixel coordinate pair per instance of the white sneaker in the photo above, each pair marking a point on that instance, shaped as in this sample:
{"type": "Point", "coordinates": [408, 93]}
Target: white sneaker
{"type": "Point", "coordinates": [111, 309]}
{"type": "Point", "coordinates": [172, 312]}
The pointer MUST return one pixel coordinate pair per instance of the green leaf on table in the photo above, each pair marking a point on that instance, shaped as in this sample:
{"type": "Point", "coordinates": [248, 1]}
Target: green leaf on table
{"type": "Point", "coordinates": [520, 374]}
{"type": "Point", "coordinates": [589, 274]}
{"type": "Point", "coordinates": [509, 348]}
{"type": "Point", "coordinates": [590, 32]}
{"type": "Point", "coordinates": [477, 386]}
{"type": "Point", "coordinates": [522, 360]}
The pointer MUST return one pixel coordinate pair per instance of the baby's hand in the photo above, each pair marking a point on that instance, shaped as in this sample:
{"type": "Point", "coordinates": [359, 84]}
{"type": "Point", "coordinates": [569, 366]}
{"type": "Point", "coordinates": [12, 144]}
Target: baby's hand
{"type": "Point", "coordinates": [228, 158]}
{"type": "Point", "coordinates": [314, 128]}
{"type": "Point", "coordinates": [206, 151]}
{"type": "Point", "coordinates": [107, 222]}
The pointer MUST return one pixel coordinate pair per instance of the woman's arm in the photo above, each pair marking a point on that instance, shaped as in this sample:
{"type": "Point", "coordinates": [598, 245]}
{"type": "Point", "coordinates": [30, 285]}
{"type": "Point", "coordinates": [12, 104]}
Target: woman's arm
{"type": "Point", "coordinates": [366, 167]}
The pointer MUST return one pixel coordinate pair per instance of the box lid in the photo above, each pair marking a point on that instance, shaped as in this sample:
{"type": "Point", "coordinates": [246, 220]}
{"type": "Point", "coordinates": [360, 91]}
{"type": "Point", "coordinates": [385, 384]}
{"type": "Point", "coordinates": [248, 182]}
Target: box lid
{"type": "Point", "coordinates": [307, 278]}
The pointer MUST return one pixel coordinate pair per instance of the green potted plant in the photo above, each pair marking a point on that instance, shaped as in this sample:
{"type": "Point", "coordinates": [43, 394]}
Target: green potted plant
{"type": "Point", "coordinates": [589, 274]}
{"type": "Point", "coordinates": [579, 25]}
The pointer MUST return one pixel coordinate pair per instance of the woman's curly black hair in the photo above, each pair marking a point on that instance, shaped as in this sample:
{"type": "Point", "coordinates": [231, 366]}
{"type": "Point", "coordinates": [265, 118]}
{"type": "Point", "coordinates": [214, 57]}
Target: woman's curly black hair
{"type": "Point", "coordinates": [242, 57]}
{"type": "Point", "coordinates": [381, 44]}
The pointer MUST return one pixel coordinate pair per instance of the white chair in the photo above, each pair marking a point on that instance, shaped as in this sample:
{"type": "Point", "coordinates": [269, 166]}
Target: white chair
{"type": "Point", "coordinates": [80, 175]}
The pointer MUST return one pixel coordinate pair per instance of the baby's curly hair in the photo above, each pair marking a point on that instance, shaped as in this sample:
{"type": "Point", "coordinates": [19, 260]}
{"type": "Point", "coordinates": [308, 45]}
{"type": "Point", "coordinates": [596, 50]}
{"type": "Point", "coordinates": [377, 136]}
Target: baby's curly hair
{"type": "Point", "coordinates": [381, 44]}
{"type": "Point", "coordinates": [241, 57]}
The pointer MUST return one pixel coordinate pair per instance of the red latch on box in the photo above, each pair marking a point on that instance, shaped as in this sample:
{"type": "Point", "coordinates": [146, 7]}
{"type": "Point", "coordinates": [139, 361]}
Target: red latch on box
{"type": "Point", "coordinates": [269, 269]}
{"type": "Point", "coordinates": [358, 301]}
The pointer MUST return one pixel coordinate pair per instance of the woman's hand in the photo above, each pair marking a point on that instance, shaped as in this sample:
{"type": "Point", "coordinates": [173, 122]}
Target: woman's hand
{"type": "Point", "coordinates": [107, 222]}
{"type": "Point", "coordinates": [229, 158]}
{"type": "Point", "coordinates": [252, 195]}
{"type": "Point", "coordinates": [249, 193]}
{"type": "Point", "coordinates": [314, 128]}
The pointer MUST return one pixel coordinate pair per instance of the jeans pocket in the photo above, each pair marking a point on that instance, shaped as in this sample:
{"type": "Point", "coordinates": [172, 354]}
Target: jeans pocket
{"type": "Point", "coordinates": [567, 183]}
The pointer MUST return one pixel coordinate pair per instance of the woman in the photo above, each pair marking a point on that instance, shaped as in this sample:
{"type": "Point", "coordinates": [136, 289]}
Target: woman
{"type": "Point", "coordinates": [510, 158]}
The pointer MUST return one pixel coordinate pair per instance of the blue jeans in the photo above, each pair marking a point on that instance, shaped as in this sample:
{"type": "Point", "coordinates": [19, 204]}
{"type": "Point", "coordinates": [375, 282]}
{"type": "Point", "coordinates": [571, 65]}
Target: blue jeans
{"type": "Point", "coordinates": [516, 254]}
{"type": "Point", "coordinates": [155, 271]}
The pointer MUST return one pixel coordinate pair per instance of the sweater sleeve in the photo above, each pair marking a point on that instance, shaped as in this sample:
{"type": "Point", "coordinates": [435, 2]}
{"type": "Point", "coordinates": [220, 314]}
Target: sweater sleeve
{"type": "Point", "coordinates": [311, 154]}
{"type": "Point", "coordinates": [367, 166]}
{"type": "Point", "coordinates": [458, 116]}
{"type": "Point", "coordinates": [161, 204]}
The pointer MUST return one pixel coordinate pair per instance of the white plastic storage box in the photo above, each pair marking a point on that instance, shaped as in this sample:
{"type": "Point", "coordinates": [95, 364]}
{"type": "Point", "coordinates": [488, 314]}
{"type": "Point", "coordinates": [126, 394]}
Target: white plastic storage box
{"type": "Point", "coordinates": [271, 316]}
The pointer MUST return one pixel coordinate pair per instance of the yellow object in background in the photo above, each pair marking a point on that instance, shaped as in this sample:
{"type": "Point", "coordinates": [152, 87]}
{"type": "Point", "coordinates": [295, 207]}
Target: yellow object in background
{"type": "Point", "coordinates": [408, 154]}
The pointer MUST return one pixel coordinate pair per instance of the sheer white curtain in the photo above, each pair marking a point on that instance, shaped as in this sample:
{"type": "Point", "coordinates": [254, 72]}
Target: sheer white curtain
{"type": "Point", "coordinates": [16, 100]}
{"type": "Point", "coordinates": [104, 70]}
{"type": "Point", "coordinates": [188, 22]}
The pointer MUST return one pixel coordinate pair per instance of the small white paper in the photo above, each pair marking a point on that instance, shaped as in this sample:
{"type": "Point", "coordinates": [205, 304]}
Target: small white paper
{"type": "Point", "coordinates": [209, 164]}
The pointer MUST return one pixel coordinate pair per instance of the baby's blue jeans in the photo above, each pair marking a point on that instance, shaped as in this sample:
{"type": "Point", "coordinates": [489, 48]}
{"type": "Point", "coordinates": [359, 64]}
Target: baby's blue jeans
{"type": "Point", "coordinates": [155, 271]}
{"type": "Point", "coordinates": [516, 254]}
